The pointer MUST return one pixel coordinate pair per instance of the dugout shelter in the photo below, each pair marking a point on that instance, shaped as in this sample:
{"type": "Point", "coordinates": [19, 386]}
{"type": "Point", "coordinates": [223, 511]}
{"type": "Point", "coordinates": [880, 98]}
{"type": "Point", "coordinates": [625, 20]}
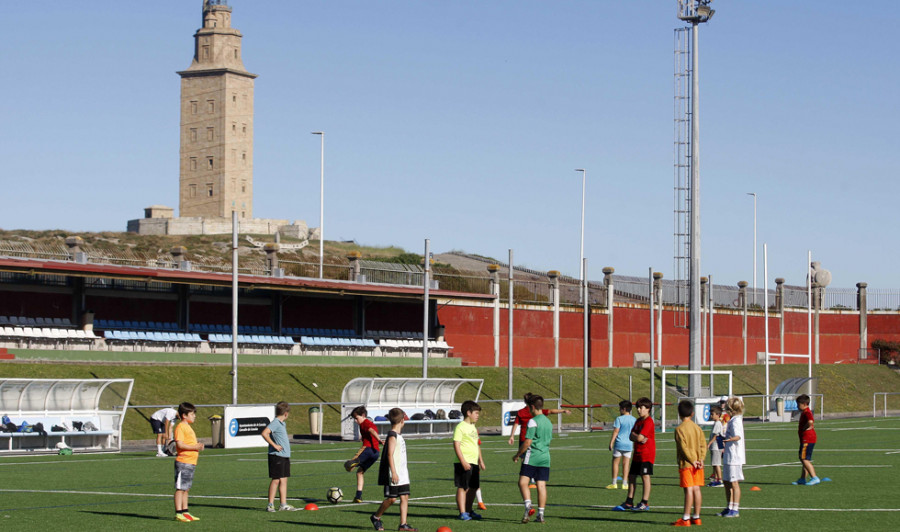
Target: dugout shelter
{"type": "Point", "coordinates": [83, 414]}
{"type": "Point", "coordinates": [413, 395]}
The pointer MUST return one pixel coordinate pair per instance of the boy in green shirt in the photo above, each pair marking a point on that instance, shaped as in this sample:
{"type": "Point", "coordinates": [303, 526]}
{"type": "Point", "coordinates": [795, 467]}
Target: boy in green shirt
{"type": "Point", "coordinates": [536, 462]}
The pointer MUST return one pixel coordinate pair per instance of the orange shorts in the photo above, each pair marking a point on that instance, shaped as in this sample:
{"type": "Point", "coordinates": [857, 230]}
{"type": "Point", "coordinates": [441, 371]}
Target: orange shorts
{"type": "Point", "coordinates": [691, 476]}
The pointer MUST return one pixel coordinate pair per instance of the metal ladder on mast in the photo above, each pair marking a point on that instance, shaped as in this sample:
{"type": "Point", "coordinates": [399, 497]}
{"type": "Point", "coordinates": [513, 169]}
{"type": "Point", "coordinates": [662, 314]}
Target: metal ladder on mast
{"type": "Point", "coordinates": [682, 188]}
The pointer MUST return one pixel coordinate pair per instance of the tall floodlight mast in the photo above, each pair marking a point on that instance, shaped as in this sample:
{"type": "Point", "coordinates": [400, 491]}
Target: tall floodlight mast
{"type": "Point", "coordinates": [694, 12]}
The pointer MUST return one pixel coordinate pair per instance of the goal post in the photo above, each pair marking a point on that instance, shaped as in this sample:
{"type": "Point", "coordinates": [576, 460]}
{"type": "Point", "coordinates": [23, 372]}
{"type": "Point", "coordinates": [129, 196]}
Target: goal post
{"type": "Point", "coordinates": [667, 372]}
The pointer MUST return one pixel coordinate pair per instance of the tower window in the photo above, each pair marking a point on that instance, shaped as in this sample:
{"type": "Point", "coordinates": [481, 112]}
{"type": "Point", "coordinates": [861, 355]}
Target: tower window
{"type": "Point", "coordinates": [234, 128]}
{"type": "Point", "coordinates": [210, 106]}
{"type": "Point", "coordinates": [235, 53]}
{"type": "Point", "coordinates": [209, 189]}
{"type": "Point", "coordinates": [234, 99]}
{"type": "Point", "coordinates": [209, 163]}
{"type": "Point", "coordinates": [210, 133]}
{"type": "Point", "coordinates": [193, 163]}
{"type": "Point", "coordinates": [192, 191]}
{"type": "Point", "coordinates": [205, 52]}
{"type": "Point", "coordinates": [244, 159]}
{"type": "Point", "coordinates": [244, 129]}
{"type": "Point", "coordinates": [193, 134]}
{"type": "Point", "coordinates": [194, 107]}
{"type": "Point", "coordinates": [243, 186]}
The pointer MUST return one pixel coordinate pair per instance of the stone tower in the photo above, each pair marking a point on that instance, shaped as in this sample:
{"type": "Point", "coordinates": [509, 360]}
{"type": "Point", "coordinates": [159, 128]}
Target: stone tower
{"type": "Point", "coordinates": [216, 159]}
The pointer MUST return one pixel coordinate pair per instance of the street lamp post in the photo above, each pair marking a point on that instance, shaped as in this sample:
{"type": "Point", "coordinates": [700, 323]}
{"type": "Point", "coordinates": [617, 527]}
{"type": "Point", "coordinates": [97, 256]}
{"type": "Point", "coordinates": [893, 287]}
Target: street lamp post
{"type": "Point", "coordinates": [321, 206]}
{"type": "Point", "coordinates": [754, 244]}
{"type": "Point", "coordinates": [581, 256]}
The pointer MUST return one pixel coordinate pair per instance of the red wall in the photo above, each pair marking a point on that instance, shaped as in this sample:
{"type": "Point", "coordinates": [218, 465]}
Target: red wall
{"type": "Point", "coordinates": [469, 333]}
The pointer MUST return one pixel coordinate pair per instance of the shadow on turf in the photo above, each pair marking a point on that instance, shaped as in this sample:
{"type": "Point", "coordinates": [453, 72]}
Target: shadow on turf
{"type": "Point", "coordinates": [330, 526]}
{"type": "Point", "coordinates": [120, 514]}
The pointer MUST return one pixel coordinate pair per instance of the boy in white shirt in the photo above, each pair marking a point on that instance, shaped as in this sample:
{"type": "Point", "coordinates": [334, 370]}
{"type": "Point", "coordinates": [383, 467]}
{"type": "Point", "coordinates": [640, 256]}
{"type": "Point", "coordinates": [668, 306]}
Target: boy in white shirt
{"type": "Point", "coordinates": [734, 458]}
{"type": "Point", "coordinates": [393, 473]}
{"type": "Point", "coordinates": [716, 446]}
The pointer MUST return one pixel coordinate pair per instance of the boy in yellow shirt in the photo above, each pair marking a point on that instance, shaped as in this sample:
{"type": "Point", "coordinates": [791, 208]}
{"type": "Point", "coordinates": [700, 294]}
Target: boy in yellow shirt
{"type": "Point", "coordinates": [186, 461]}
{"type": "Point", "coordinates": [690, 449]}
{"type": "Point", "coordinates": [467, 470]}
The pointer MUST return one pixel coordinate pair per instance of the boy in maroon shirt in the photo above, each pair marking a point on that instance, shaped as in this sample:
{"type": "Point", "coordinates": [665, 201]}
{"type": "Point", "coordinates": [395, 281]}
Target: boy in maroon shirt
{"type": "Point", "coordinates": [807, 435]}
{"type": "Point", "coordinates": [644, 437]}
{"type": "Point", "coordinates": [368, 453]}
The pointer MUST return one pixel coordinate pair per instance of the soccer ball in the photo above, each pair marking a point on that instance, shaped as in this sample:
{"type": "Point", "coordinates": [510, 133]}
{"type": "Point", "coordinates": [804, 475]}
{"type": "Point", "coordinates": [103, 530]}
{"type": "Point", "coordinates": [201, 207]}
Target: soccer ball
{"type": "Point", "coordinates": [334, 495]}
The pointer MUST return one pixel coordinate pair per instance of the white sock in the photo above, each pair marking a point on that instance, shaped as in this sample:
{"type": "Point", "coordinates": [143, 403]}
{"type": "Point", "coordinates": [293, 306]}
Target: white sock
{"type": "Point", "coordinates": [695, 516]}
{"type": "Point", "coordinates": [478, 495]}
{"type": "Point", "coordinates": [527, 506]}
{"type": "Point", "coordinates": [731, 506]}
{"type": "Point", "coordinates": [159, 448]}
{"type": "Point", "coordinates": [541, 512]}
{"type": "Point", "coordinates": [737, 507]}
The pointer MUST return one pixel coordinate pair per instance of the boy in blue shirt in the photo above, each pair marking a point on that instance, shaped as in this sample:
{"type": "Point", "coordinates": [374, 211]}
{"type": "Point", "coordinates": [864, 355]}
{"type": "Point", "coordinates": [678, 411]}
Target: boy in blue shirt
{"type": "Point", "coordinates": [621, 445]}
{"type": "Point", "coordinates": [276, 436]}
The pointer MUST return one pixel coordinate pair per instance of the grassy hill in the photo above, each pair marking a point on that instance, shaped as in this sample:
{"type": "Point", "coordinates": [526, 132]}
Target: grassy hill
{"type": "Point", "coordinates": [847, 388]}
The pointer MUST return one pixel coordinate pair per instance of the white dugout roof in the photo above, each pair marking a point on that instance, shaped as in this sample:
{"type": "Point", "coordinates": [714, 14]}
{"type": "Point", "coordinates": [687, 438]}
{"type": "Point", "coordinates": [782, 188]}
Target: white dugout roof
{"type": "Point", "coordinates": [387, 392]}
{"type": "Point", "coordinates": [64, 395]}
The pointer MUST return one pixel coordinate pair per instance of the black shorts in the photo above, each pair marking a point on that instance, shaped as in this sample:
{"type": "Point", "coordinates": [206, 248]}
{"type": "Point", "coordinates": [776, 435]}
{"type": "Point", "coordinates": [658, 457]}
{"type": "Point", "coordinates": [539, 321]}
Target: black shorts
{"type": "Point", "coordinates": [279, 466]}
{"type": "Point", "coordinates": [639, 469]}
{"type": "Point", "coordinates": [536, 473]}
{"type": "Point", "coordinates": [368, 457]}
{"type": "Point", "coordinates": [159, 427]}
{"type": "Point", "coordinates": [806, 450]}
{"type": "Point", "coordinates": [392, 492]}
{"type": "Point", "coordinates": [467, 480]}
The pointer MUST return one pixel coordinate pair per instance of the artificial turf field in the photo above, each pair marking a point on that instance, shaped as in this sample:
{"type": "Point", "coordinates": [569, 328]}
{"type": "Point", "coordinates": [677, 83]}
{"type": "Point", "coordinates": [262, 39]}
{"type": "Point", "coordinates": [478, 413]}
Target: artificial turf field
{"type": "Point", "coordinates": [133, 491]}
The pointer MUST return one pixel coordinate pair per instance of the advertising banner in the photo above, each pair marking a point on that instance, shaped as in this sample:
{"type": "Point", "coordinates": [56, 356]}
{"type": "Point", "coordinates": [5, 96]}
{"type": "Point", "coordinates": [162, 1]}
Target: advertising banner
{"type": "Point", "coordinates": [701, 409]}
{"type": "Point", "coordinates": [509, 415]}
{"type": "Point", "coordinates": [244, 425]}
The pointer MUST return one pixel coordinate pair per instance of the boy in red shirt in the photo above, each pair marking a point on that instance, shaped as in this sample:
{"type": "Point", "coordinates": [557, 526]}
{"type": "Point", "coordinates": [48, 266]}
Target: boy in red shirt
{"type": "Point", "coordinates": [807, 435]}
{"type": "Point", "coordinates": [643, 434]}
{"type": "Point", "coordinates": [368, 453]}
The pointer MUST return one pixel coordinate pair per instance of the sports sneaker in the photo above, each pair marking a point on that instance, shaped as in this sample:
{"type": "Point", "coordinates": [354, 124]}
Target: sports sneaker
{"type": "Point", "coordinates": [190, 517]}
{"type": "Point", "coordinates": [376, 522]}
{"type": "Point", "coordinates": [539, 519]}
{"type": "Point", "coordinates": [532, 486]}
{"type": "Point", "coordinates": [357, 500]}
{"type": "Point", "coordinates": [733, 513]}
{"type": "Point", "coordinates": [475, 516]}
{"type": "Point", "coordinates": [696, 521]}
{"type": "Point", "coordinates": [163, 455]}
{"type": "Point", "coordinates": [799, 482]}
{"type": "Point", "coordinates": [813, 481]}
{"type": "Point", "coordinates": [270, 507]}
{"type": "Point", "coordinates": [682, 522]}
{"type": "Point", "coordinates": [624, 485]}
{"type": "Point", "coordinates": [181, 518]}
{"type": "Point", "coordinates": [718, 484]}
{"type": "Point", "coordinates": [350, 464]}
{"type": "Point", "coordinates": [481, 506]}
{"type": "Point", "coordinates": [723, 513]}
{"type": "Point", "coordinates": [624, 507]}
{"type": "Point", "coordinates": [464, 517]}
{"type": "Point", "coordinates": [612, 486]}
{"type": "Point", "coordinates": [405, 526]}
{"type": "Point", "coordinates": [525, 519]}
{"type": "Point", "coordinates": [641, 507]}
{"type": "Point", "coordinates": [287, 508]}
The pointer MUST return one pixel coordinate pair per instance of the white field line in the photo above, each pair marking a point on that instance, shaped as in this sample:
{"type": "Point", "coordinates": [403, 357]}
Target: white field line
{"type": "Point", "coordinates": [431, 498]}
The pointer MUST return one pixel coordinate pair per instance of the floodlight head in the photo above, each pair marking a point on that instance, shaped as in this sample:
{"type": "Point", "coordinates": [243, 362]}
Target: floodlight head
{"type": "Point", "coordinates": [318, 133]}
{"type": "Point", "coordinates": [695, 11]}
{"type": "Point", "coordinates": [579, 169]}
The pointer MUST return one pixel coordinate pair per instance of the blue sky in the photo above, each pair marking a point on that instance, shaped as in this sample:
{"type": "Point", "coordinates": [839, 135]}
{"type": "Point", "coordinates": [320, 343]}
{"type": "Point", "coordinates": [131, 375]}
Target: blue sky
{"type": "Point", "coordinates": [463, 122]}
